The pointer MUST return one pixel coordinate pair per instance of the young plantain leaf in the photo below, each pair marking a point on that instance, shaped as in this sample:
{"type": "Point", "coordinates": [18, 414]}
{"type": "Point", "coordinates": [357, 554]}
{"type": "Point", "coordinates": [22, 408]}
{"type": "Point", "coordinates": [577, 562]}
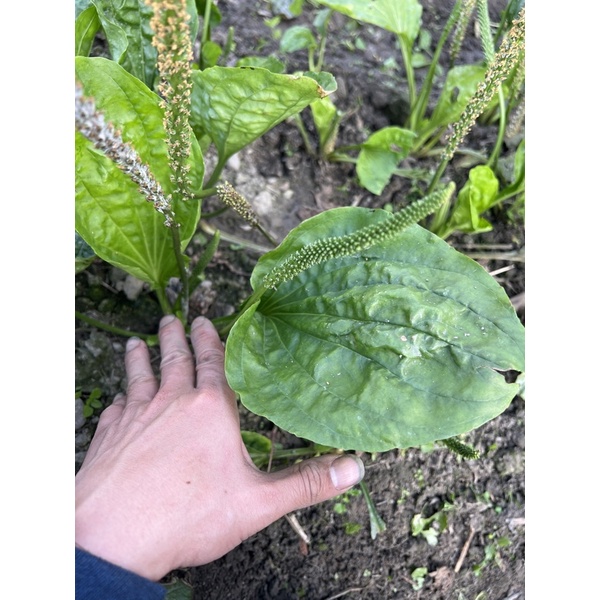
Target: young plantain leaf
{"type": "Point", "coordinates": [111, 215]}
{"type": "Point", "coordinates": [477, 196]}
{"type": "Point", "coordinates": [379, 157]}
{"type": "Point", "coordinates": [398, 346]}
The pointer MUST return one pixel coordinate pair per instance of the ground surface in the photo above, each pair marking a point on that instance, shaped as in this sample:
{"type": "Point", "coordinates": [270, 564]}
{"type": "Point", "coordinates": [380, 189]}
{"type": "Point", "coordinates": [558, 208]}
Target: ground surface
{"type": "Point", "coordinates": [475, 546]}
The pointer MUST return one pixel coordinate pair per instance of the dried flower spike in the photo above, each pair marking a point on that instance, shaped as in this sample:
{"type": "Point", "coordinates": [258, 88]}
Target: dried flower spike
{"type": "Point", "coordinates": [232, 198]}
{"type": "Point", "coordinates": [174, 49]}
{"type": "Point", "coordinates": [91, 123]}
{"type": "Point", "coordinates": [509, 55]}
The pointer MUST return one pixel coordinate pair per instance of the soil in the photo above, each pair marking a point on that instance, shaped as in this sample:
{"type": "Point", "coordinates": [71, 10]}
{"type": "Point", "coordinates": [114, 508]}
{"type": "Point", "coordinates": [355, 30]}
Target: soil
{"type": "Point", "coordinates": [475, 547]}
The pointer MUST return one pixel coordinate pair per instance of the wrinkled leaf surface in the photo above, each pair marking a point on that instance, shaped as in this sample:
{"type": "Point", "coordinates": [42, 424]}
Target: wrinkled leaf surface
{"type": "Point", "coordinates": [111, 215]}
{"type": "Point", "coordinates": [396, 347]}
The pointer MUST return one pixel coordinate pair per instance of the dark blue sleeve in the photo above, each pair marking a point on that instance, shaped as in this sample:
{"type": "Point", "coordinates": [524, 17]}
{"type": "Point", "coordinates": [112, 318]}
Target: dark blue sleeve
{"type": "Point", "coordinates": [97, 579]}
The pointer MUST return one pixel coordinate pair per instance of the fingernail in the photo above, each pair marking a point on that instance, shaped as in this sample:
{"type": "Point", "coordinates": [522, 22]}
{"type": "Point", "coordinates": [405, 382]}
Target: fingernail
{"type": "Point", "coordinates": [198, 321]}
{"type": "Point", "coordinates": [346, 471]}
{"type": "Point", "coordinates": [132, 343]}
{"type": "Point", "coordinates": [166, 320]}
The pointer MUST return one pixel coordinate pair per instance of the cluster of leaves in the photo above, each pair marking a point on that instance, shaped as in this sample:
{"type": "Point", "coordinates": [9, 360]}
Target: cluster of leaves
{"type": "Point", "coordinates": [378, 157]}
{"type": "Point", "coordinates": [395, 338]}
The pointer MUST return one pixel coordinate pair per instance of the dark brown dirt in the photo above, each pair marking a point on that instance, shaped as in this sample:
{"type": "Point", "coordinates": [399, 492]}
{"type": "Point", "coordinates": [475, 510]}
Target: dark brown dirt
{"type": "Point", "coordinates": [478, 506]}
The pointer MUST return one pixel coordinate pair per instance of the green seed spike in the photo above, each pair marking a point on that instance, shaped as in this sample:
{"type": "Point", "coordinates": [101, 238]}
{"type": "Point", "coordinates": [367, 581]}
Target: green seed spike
{"type": "Point", "coordinates": [461, 449]}
{"type": "Point", "coordinates": [346, 245]}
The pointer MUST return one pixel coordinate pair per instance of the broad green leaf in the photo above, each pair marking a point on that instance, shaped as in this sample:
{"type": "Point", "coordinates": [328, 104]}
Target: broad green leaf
{"type": "Point", "coordinates": [325, 80]}
{"type": "Point", "coordinates": [477, 196]}
{"type": "Point", "coordinates": [87, 25]}
{"type": "Point", "coordinates": [110, 213]}
{"type": "Point", "coordinates": [266, 62]}
{"type": "Point", "coordinates": [211, 53]}
{"type": "Point", "coordinates": [297, 38]}
{"type": "Point", "coordinates": [126, 24]}
{"type": "Point", "coordinates": [402, 17]}
{"type": "Point", "coordinates": [255, 442]}
{"type": "Point", "coordinates": [399, 346]}
{"type": "Point", "coordinates": [379, 156]}
{"type": "Point", "coordinates": [460, 85]}
{"type": "Point", "coordinates": [237, 105]}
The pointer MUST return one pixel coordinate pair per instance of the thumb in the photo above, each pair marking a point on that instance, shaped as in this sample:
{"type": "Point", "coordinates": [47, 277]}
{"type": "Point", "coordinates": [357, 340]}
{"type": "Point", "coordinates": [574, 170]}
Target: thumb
{"type": "Point", "coordinates": [313, 481]}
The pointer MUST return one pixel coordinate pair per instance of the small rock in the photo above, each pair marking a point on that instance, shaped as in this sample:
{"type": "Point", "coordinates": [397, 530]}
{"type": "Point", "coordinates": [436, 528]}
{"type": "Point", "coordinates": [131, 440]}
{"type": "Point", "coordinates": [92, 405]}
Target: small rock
{"type": "Point", "coordinates": [79, 418]}
{"type": "Point", "coordinates": [132, 287]}
{"type": "Point", "coordinates": [234, 163]}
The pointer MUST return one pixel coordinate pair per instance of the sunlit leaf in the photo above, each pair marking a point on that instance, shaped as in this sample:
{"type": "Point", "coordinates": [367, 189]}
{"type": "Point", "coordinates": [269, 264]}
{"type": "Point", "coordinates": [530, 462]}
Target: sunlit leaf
{"type": "Point", "coordinates": [111, 215]}
{"type": "Point", "coordinates": [379, 156]}
{"type": "Point", "coordinates": [236, 105]}
{"type": "Point", "coordinates": [400, 345]}
{"type": "Point", "coordinates": [402, 17]}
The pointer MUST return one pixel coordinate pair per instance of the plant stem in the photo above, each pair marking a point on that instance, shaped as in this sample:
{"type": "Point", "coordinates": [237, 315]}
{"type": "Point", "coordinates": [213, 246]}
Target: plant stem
{"type": "Point", "coordinates": [183, 298]}
{"type": "Point", "coordinates": [377, 523]}
{"type": "Point", "coordinates": [501, 129]}
{"type": "Point", "coordinates": [420, 106]}
{"type": "Point", "coordinates": [322, 44]}
{"type": "Point", "coordinates": [151, 340]}
{"type": "Point", "coordinates": [410, 72]}
{"type": "Point", "coordinates": [205, 31]}
{"type": "Point", "coordinates": [300, 125]}
{"type": "Point", "coordinates": [216, 173]}
{"type": "Point", "coordinates": [233, 239]}
{"type": "Point", "coordinates": [164, 302]}
{"type": "Point", "coordinates": [205, 193]}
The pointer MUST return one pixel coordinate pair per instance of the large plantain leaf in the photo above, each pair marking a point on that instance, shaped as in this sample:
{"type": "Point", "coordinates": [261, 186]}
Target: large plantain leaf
{"type": "Point", "coordinates": [399, 346]}
{"type": "Point", "coordinates": [402, 17]}
{"type": "Point", "coordinates": [236, 105]}
{"type": "Point", "coordinates": [110, 213]}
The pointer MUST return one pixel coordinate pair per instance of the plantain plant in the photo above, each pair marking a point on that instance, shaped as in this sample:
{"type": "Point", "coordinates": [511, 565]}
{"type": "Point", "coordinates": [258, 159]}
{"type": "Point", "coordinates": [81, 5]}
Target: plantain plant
{"type": "Point", "coordinates": [492, 90]}
{"type": "Point", "coordinates": [364, 331]}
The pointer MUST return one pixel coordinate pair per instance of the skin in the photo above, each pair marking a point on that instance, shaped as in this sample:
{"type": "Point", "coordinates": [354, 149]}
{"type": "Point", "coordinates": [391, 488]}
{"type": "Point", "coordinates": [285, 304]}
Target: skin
{"type": "Point", "coordinates": [167, 481]}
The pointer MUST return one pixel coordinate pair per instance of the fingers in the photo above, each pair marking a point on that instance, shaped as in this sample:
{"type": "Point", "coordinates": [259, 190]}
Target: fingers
{"type": "Point", "coordinates": [312, 481]}
{"type": "Point", "coordinates": [177, 362]}
{"type": "Point", "coordinates": [141, 383]}
{"type": "Point", "coordinates": [210, 357]}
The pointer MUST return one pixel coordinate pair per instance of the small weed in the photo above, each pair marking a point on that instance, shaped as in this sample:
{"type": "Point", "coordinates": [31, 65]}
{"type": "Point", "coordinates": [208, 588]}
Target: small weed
{"type": "Point", "coordinates": [492, 553]}
{"type": "Point", "coordinates": [403, 496]}
{"type": "Point", "coordinates": [352, 528]}
{"type": "Point", "coordinates": [431, 527]}
{"type": "Point", "coordinates": [420, 478]}
{"type": "Point", "coordinates": [418, 576]}
{"type": "Point", "coordinates": [91, 403]}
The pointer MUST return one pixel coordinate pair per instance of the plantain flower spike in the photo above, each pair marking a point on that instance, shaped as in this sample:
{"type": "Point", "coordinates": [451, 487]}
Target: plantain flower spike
{"type": "Point", "coordinates": [232, 198]}
{"type": "Point", "coordinates": [361, 239]}
{"type": "Point", "coordinates": [91, 124]}
{"type": "Point", "coordinates": [174, 55]}
{"type": "Point", "coordinates": [509, 55]}
{"type": "Point", "coordinates": [464, 16]}
{"type": "Point", "coordinates": [460, 448]}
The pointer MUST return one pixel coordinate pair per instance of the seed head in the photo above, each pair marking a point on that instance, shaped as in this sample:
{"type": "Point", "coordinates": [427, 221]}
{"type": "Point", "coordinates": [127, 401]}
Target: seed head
{"type": "Point", "coordinates": [91, 123]}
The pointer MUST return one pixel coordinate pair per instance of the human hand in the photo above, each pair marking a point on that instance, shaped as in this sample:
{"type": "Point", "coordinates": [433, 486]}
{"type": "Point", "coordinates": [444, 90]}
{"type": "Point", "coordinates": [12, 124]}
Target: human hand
{"type": "Point", "coordinates": [167, 481]}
